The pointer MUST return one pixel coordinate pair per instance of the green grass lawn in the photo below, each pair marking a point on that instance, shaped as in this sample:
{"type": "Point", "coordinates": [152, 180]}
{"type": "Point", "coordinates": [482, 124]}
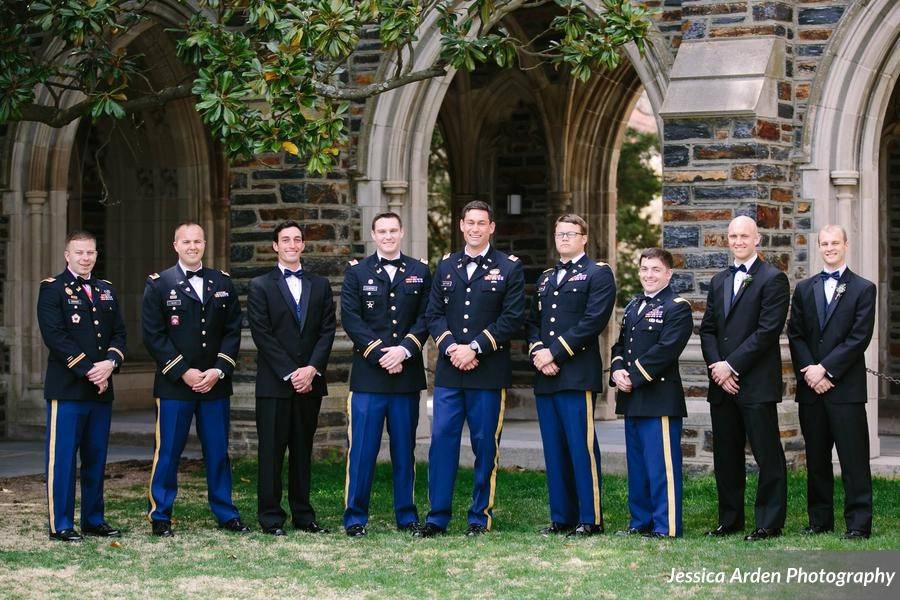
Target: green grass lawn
{"type": "Point", "coordinates": [512, 561]}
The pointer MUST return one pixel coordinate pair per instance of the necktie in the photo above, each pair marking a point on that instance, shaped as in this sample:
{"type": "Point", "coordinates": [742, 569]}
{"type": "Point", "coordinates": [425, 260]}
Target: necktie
{"type": "Point", "coordinates": [197, 273]}
{"type": "Point", "coordinates": [86, 286]}
{"type": "Point", "coordinates": [825, 275]}
{"type": "Point", "coordinates": [394, 262]}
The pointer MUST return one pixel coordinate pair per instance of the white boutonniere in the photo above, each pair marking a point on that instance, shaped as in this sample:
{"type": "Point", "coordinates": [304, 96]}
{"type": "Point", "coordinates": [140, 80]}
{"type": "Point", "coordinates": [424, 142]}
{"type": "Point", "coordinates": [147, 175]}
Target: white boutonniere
{"type": "Point", "coordinates": [746, 282]}
{"type": "Point", "coordinates": [839, 290]}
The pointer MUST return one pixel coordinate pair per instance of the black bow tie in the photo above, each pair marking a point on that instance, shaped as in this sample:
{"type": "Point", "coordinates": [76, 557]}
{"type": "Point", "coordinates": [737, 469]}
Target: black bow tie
{"type": "Point", "coordinates": [298, 273]}
{"type": "Point", "coordinates": [478, 260]}
{"type": "Point", "coordinates": [825, 275]}
{"type": "Point", "coordinates": [734, 269]}
{"type": "Point", "coordinates": [562, 265]}
{"type": "Point", "coordinates": [197, 273]}
{"type": "Point", "coordinates": [82, 281]}
{"type": "Point", "coordinates": [394, 262]}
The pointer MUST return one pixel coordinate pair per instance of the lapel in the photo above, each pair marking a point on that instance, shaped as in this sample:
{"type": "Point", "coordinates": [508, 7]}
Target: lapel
{"type": "Point", "coordinates": [305, 289]}
{"type": "Point", "coordinates": [400, 275]}
{"type": "Point", "coordinates": [489, 262]}
{"type": "Point", "coordinates": [573, 270]}
{"type": "Point", "coordinates": [818, 292]}
{"type": "Point", "coordinates": [281, 284]}
{"type": "Point", "coordinates": [844, 280]}
{"type": "Point", "coordinates": [655, 302]}
{"type": "Point", "coordinates": [78, 292]}
{"type": "Point", "coordinates": [727, 288]}
{"type": "Point", "coordinates": [184, 286]}
{"type": "Point", "coordinates": [210, 290]}
{"type": "Point", "coordinates": [753, 270]}
{"type": "Point", "coordinates": [378, 270]}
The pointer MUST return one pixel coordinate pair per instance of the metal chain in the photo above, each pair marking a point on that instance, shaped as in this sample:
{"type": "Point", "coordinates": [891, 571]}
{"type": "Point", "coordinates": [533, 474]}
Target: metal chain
{"type": "Point", "coordinates": [884, 376]}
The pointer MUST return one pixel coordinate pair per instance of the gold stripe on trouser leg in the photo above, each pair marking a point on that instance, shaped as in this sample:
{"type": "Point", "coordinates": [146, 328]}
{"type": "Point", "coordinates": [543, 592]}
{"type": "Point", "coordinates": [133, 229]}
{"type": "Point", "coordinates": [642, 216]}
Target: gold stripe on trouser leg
{"type": "Point", "coordinates": [595, 479]}
{"type": "Point", "coordinates": [487, 511]}
{"type": "Point", "coordinates": [155, 461]}
{"type": "Point", "coordinates": [51, 463]}
{"type": "Point", "coordinates": [349, 447]}
{"type": "Point", "coordinates": [670, 474]}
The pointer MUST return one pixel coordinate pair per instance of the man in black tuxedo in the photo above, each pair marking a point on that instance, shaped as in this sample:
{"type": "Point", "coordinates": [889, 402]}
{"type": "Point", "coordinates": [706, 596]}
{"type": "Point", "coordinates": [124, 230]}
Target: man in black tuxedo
{"type": "Point", "coordinates": [291, 315]}
{"type": "Point", "coordinates": [746, 309]}
{"type": "Point", "coordinates": [832, 319]}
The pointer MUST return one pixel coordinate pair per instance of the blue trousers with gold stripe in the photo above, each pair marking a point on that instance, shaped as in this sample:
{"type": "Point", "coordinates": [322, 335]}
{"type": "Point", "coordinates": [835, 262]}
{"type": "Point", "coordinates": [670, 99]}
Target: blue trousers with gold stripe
{"type": "Point", "coordinates": [653, 452]}
{"type": "Point", "coordinates": [571, 456]}
{"type": "Point", "coordinates": [173, 422]}
{"type": "Point", "coordinates": [76, 427]}
{"type": "Point", "coordinates": [482, 410]}
{"type": "Point", "coordinates": [367, 415]}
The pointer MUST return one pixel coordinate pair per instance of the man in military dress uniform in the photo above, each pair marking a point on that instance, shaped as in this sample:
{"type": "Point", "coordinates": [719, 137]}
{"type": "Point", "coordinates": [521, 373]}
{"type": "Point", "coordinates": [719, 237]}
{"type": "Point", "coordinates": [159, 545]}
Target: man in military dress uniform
{"type": "Point", "coordinates": [191, 321]}
{"type": "Point", "coordinates": [383, 303]}
{"type": "Point", "coordinates": [475, 308]}
{"type": "Point", "coordinates": [571, 309]}
{"type": "Point", "coordinates": [831, 324]}
{"type": "Point", "coordinates": [656, 327]}
{"type": "Point", "coordinates": [81, 323]}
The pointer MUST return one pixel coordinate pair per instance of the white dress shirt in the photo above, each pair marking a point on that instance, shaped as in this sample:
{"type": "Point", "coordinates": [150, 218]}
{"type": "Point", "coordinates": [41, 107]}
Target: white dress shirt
{"type": "Point", "coordinates": [644, 302]}
{"type": "Point", "coordinates": [292, 282]}
{"type": "Point", "coordinates": [740, 276]}
{"type": "Point", "coordinates": [562, 272]}
{"type": "Point", "coordinates": [831, 283]}
{"type": "Point", "coordinates": [196, 282]}
{"type": "Point", "coordinates": [470, 267]}
{"type": "Point", "coordinates": [391, 270]}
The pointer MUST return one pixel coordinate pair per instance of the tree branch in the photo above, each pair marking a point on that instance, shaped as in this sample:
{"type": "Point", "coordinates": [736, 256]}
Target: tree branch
{"type": "Point", "coordinates": [335, 93]}
{"type": "Point", "coordinates": [55, 117]}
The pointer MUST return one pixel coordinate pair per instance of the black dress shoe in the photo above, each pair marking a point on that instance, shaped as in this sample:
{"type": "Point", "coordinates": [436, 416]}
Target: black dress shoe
{"type": "Point", "coordinates": [234, 525]}
{"type": "Point", "coordinates": [66, 535]}
{"type": "Point", "coordinates": [102, 530]}
{"type": "Point", "coordinates": [722, 531]}
{"type": "Point", "coordinates": [475, 530]}
{"type": "Point", "coordinates": [276, 531]}
{"type": "Point", "coordinates": [815, 530]}
{"type": "Point", "coordinates": [856, 534]}
{"type": "Point", "coordinates": [356, 531]}
{"type": "Point", "coordinates": [761, 533]}
{"type": "Point", "coordinates": [556, 529]}
{"type": "Point", "coordinates": [311, 527]}
{"type": "Point", "coordinates": [631, 531]}
{"type": "Point", "coordinates": [585, 530]}
{"type": "Point", "coordinates": [410, 527]}
{"type": "Point", "coordinates": [654, 535]}
{"type": "Point", "coordinates": [428, 531]}
{"type": "Point", "coordinates": [162, 529]}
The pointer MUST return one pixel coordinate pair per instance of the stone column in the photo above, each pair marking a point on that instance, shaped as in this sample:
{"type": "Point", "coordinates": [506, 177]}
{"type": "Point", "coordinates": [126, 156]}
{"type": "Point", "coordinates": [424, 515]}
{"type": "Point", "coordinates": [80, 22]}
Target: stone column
{"type": "Point", "coordinates": [846, 186]}
{"type": "Point", "coordinates": [395, 190]}
{"type": "Point", "coordinates": [36, 200]}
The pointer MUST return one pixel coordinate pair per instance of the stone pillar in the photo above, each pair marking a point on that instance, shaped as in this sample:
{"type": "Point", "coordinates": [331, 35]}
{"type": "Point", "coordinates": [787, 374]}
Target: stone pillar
{"type": "Point", "coordinates": [36, 201]}
{"type": "Point", "coordinates": [846, 186]}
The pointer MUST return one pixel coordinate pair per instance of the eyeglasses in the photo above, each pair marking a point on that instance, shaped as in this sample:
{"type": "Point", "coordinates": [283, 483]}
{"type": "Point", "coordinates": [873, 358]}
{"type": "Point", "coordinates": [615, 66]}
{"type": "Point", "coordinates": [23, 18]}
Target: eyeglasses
{"type": "Point", "coordinates": [567, 235]}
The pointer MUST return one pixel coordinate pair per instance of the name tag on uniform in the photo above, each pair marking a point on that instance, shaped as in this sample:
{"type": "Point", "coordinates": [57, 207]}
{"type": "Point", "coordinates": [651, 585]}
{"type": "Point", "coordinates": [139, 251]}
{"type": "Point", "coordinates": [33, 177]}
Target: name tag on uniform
{"type": "Point", "coordinates": [75, 301]}
{"type": "Point", "coordinates": [173, 302]}
{"type": "Point", "coordinates": [370, 288]}
{"type": "Point", "coordinates": [220, 294]}
{"type": "Point", "coordinates": [579, 277]}
{"type": "Point", "coordinates": [446, 284]}
{"type": "Point", "coordinates": [414, 279]}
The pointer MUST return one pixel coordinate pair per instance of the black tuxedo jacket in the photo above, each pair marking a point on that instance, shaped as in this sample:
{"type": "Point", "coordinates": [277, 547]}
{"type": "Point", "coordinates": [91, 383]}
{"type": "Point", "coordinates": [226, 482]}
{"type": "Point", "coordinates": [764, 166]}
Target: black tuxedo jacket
{"type": "Point", "coordinates": [835, 336]}
{"type": "Point", "coordinates": [745, 331]}
{"type": "Point", "coordinates": [285, 342]}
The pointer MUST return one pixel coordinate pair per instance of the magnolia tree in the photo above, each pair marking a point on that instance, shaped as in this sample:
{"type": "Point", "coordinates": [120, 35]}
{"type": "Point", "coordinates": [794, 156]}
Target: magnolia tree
{"type": "Point", "coordinates": [269, 75]}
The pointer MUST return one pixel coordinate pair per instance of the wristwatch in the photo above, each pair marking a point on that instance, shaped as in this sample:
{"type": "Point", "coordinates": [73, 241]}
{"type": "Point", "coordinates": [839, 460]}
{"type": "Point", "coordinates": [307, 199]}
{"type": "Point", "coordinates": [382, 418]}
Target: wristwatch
{"type": "Point", "coordinates": [474, 346]}
{"type": "Point", "coordinates": [221, 373]}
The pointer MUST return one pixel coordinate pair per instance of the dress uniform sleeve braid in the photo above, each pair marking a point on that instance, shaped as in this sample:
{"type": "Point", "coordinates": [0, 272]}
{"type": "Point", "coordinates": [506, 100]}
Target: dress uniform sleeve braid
{"type": "Point", "coordinates": [845, 354]}
{"type": "Point", "coordinates": [801, 354]}
{"type": "Point", "coordinates": [230, 347]}
{"type": "Point", "coordinates": [153, 325]}
{"type": "Point", "coordinates": [328, 325]}
{"type": "Point", "coordinates": [678, 324]}
{"type": "Point", "coordinates": [418, 334]}
{"type": "Point", "coordinates": [263, 333]}
{"type": "Point", "coordinates": [118, 340]}
{"type": "Point", "coordinates": [600, 302]}
{"type": "Point", "coordinates": [509, 323]}
{"type": "Point", "coordinates": [436, 316]}
{"type": "Point", "coordinates": [364, 339]}
{"type": "Point", "coordinates": [775, 297]}
{"type": "Point", "coordinates": [53, 329]}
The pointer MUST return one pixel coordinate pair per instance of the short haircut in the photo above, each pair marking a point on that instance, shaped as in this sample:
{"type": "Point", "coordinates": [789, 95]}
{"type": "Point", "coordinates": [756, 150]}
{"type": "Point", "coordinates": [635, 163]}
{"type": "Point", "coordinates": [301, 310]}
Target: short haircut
{"type": "Point", "coordinates": [80, 234]}
{"type": "Point", "coordinates": [387, 215]}
{"type": "Point", "coordinates": [574, 220]}
{"type": "Point", "coordinates": [189, 224]}
{"type": "Point", "coordinates": [478, 205]}
{"type": "Point", "coordinates": [834, 227]}
{"type": "Point", "coordinates": [286, 225]}
{"type": "Point", "coordinates": [664, 255]}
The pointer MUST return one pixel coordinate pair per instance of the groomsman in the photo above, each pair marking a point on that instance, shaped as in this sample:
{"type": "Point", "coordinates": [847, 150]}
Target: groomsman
{"type": "Point", "coordinates": [656, 327]}
{"type": "Point", "coordinates": [191, 322]}
{"type": "Point", "coordinates": [831, 324]}
{"type": "Point", "coordinates": [475, 309]}
{"type": "Point", "coordinates": [383, 302]}
{"type": "Point", "coordinates": [81, 323]}
{"type": "Point", "coordinates": [291, 313]}
{"type": "Point", "coordinates": [746, 309]}
{"type": "Point", "coordinates": [571, 308]}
